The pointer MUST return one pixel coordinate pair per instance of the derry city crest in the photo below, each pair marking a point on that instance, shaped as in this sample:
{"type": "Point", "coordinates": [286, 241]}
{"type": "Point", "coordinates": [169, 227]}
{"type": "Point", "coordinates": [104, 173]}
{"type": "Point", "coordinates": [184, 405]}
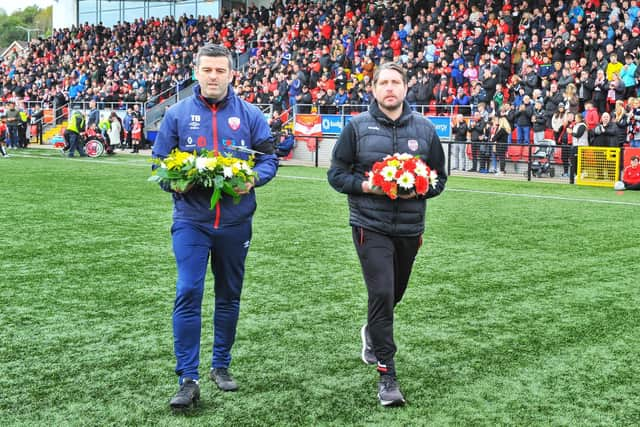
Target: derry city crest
{"type": "Point", "coordinates": [234, 123]}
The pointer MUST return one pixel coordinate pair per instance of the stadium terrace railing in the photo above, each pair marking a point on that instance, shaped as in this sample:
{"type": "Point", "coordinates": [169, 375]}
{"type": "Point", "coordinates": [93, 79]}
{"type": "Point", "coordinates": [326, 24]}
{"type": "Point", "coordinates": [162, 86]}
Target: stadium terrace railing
{"type": "Point", "coordinates": [350, 109]}
{"type": "Point", "coordinates": [528, 162]}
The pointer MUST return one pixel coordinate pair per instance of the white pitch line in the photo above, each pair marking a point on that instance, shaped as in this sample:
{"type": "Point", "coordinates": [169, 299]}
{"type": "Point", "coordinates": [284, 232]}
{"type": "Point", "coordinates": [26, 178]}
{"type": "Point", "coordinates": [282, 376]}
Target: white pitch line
{"type": "Point", "coordinates": [130, 162]}
{"type": "Point", "coordinates": [497, 193]}
{"type": "Point", "coordinates": [539, 196]}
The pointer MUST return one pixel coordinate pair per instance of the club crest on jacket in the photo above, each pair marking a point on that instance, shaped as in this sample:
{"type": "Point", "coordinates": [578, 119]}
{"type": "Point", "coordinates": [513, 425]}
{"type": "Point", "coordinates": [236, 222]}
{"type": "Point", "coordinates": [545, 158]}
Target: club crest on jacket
{"type": "Point", "coordinates": [234, 123]}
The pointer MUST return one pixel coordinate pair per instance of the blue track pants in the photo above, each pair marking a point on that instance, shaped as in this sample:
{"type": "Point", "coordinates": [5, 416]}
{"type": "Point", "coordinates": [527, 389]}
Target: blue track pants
{"type": "Point", "coordinates": [192, 245]}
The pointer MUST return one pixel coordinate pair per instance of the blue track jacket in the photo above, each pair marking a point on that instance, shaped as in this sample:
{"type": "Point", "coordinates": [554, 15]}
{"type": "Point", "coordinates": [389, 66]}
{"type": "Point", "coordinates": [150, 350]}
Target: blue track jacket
{"type": "Point", "coordinates": [192, 125]}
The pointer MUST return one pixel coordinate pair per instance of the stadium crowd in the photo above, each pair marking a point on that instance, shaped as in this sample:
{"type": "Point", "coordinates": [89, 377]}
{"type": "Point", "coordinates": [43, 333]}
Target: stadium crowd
{"type": "Point", "coordinates": [536, 62]}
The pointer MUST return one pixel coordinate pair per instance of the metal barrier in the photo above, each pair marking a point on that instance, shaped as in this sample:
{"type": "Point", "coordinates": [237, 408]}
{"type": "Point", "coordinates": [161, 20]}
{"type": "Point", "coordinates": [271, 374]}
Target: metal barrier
{"type": "Point", "coordinates": [349, 109]}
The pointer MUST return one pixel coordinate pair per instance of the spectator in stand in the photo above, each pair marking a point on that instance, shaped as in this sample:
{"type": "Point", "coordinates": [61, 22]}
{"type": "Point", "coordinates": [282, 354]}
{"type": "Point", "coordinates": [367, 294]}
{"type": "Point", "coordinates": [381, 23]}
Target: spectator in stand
{"type": "Point", "coordinates": [580, 138]}
{"type": "Point", "coordinates": [441, 96]}
{"type": "Point", "coordinates": [628, 76]}
{"type": "Point", "coordinates": [460, 130]}
{"type": "Point", "coordinates": [462, 102]}
{"type": "Point", "coordinates": [304, 101]}
{"type": "Point", "coordinates": [499, 133]}
{"type": "Point", "coordinates": [93, 116]}
{"type": "Point", "coordinates": [477, 135]}
{"type": "Point", "coordinates": [275, 124]}
{"type": "Point", "coordinates": [621, 120]}
{"type": "Point", "coordinates": [613, 67]}
{"type": "Point", "coordinates": [585, 89]}
{"type": "Point", "coordinates": [606, 133]}
{"type": "Point", "coordinates": [634, 122]}
{"type": "Point", "coordinates": [570, 99]}
{"type": "Point", "coordinates": [539, 121]}
{"type": "Point", "coordinates": [560, 123]}
{"type": "Point", "coordinates": [591, 116]}
{"type": "Point", "coordinates": [600, 91]}
{"type": "Point", "coordinates": [542, 46]}
{"type": "Point", "coordinates": [522, 119]}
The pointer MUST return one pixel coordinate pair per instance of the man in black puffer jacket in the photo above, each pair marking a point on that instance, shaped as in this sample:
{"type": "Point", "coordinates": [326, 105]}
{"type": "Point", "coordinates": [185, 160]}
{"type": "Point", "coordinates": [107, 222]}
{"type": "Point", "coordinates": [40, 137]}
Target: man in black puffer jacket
{"type": "Point", "coordinates": [387, 233]}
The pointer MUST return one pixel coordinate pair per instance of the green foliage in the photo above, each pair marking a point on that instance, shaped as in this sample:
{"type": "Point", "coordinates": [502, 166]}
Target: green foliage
{"type": "Point", "coordinates": [522, 308]}
{"type": "Point", "coordinates": [29, 17]}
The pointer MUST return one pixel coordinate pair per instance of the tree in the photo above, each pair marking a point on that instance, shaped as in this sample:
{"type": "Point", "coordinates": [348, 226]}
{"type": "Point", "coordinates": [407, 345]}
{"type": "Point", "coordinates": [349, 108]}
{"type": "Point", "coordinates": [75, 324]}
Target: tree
{"type": "Point", "coordinates": [29, 17]}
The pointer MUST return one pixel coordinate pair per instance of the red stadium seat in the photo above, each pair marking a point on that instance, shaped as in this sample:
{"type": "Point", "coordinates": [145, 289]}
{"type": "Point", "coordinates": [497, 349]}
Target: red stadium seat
{"type": "Point", "coordinates": [514, 152]}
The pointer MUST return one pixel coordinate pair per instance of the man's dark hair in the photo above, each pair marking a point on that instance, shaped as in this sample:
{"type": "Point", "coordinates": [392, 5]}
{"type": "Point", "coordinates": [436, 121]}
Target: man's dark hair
{"type": "Point", "coordinates": [390, 66]}
{"type": "Point", "coordinates": [214, 50]}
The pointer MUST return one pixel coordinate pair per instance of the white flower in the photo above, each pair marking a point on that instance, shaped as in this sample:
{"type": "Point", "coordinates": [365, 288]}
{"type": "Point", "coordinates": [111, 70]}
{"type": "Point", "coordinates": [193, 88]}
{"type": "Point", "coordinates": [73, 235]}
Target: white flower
{"type": "Point", "coordinates": [433, 178]}
{"type": "Point", "coordinates": [201, 163]}
{"type": "Point", "coordinates": [421, 169]}
{"type": "Point", "coordinates": [404, 156]}
{"type": "Point", "coordinates": [406, 180]}
{"type": "Point", "coordinates": [389, 173]}
{"type": "Point", "coordinates": [227, 171]}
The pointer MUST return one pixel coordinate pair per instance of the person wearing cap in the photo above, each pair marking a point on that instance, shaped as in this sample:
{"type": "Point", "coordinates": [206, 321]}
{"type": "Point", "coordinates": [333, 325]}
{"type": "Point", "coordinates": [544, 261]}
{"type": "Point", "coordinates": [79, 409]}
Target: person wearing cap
{"type": "Point", "coordinates": [631, 175]}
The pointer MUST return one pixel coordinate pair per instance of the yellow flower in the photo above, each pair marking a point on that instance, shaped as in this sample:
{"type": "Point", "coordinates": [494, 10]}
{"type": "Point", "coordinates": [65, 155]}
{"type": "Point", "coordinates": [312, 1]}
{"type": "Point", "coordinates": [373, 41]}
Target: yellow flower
{"type": "Point", "coordinates": [177, 159]}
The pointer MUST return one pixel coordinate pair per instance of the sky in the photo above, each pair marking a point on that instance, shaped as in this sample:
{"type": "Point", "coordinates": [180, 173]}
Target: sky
{"type": "Point", "coordinates": [11, 6]}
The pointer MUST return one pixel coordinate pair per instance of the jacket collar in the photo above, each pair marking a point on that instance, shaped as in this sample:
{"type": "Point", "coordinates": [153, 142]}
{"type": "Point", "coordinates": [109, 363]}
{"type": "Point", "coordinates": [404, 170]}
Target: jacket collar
{"type": "Point", "coordinates": [198, 93]}
{"type": "Point", "coordinates": [377, 114]}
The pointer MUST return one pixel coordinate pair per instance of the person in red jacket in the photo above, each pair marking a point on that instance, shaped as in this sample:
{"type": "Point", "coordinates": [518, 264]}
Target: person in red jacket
{"type": "Point", "coordinates": [4, 136]}
{"type": "Point", "coordinates": [631, 174]}
{"type": "Point", "coordinates": [591, 116]}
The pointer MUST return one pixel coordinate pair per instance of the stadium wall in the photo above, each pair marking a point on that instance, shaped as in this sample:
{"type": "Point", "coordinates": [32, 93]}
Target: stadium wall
{"type": "Point", "coordinates": [65, 13]}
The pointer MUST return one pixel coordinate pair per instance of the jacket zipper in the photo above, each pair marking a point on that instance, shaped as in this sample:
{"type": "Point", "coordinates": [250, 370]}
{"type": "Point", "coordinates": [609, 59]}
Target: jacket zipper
{"type": "Point", "coordinates": [214, 124]}
{"type": "Point", "coordinates": [395, 150]}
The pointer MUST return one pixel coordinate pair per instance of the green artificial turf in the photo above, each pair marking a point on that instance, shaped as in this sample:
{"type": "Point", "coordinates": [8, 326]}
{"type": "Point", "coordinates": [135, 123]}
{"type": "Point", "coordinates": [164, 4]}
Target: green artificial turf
{"type": "Point", "coordinates": [523, 306]}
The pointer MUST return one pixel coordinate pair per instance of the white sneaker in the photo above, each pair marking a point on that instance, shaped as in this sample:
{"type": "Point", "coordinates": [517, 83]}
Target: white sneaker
{"type": "Point", "coordinates": [499, 173]}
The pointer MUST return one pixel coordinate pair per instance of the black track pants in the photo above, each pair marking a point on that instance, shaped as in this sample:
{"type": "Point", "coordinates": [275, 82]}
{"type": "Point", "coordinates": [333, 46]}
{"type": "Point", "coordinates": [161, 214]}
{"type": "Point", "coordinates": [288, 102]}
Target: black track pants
{"type": "Point", "coordinates": [386, 265]}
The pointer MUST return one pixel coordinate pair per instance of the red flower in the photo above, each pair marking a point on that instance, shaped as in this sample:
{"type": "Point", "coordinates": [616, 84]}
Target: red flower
{"type": "Point", "coordinates": [422, 185]}
{"type": "Point", "coordinates": [386, 174]}
{"type": "Point", "coordinates": [409, 165]}
{"type": "Point", "coordinates": [378, 180]}
{"type": "Point", "coordinates": [390, 188]}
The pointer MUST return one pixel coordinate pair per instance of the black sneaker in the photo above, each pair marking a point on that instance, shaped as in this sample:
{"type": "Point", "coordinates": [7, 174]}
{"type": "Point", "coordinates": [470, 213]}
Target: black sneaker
{"type": "Point", "coordinates": [187, 396]}
{"type": "Point", "coordinates": [367, 354]}
{"type": "Point", "coordinates": [389, 392]}
{"type": "Point", "coordinates": [223, 379]}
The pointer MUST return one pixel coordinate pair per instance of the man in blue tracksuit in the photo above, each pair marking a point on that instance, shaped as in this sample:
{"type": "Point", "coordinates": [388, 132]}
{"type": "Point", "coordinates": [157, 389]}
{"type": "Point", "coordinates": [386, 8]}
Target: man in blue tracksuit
{"type": "Point", "coordinates": [214, 118]}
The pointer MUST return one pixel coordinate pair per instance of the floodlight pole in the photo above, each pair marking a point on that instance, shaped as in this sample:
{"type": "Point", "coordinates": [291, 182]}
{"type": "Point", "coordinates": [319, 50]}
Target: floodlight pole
{"type": "Point", "coordinates": [28, 30]}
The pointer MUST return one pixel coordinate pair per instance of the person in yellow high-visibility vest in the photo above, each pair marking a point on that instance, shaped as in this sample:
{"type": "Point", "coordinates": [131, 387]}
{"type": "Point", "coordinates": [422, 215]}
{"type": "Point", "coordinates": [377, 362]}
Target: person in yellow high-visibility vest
{"type": "Point", "coordinates": [73, 134]}
{"type": "Point", "coordinates": [22, 128]}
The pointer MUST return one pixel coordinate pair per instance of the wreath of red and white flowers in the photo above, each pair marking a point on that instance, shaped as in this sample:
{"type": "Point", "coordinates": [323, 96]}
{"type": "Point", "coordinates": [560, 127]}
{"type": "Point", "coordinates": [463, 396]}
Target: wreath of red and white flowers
{"type": "Point", "coordinates": [402, 174]}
